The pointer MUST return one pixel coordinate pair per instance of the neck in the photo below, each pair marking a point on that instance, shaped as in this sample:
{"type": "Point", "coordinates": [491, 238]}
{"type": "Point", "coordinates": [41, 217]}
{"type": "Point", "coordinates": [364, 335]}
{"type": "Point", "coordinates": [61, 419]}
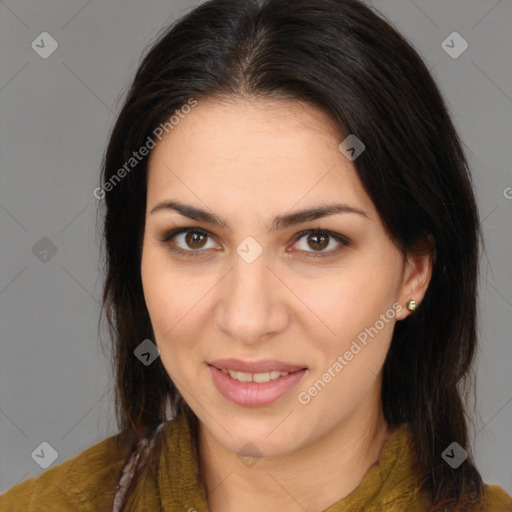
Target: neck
{"type": "Point", "coordinates": [336, 464]}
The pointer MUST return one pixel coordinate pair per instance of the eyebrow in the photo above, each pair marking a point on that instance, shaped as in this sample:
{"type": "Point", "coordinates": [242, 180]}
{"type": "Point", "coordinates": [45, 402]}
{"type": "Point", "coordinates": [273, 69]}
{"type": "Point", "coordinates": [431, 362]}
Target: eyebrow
{"type": "Point", "coordinates": [279, 222]}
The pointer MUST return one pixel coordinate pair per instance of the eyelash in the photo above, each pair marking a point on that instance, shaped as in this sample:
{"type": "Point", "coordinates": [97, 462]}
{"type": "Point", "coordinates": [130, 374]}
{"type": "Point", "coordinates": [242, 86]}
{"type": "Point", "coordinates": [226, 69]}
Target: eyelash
{"type": "Point", "coordinates": [167, 238]}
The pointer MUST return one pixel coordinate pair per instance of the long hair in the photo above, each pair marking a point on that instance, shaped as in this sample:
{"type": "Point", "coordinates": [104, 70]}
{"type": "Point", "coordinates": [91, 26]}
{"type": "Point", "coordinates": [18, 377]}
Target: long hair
{"type": "Point", "coordinates": [342, 58]}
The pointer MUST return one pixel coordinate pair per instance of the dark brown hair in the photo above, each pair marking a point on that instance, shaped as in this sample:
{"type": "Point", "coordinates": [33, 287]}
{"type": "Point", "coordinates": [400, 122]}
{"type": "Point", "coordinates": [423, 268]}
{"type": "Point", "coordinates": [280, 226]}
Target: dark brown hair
{"type": "Point", "coordinates": [343, 58]}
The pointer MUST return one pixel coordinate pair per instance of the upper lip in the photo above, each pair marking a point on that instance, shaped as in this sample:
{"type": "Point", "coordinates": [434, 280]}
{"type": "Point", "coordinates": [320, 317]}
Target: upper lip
{"type": "Point", "coordinates": [264, 365]}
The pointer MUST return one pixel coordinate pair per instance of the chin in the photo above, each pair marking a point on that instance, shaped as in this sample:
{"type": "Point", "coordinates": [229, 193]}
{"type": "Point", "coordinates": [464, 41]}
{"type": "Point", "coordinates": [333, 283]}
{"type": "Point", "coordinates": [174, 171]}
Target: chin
{"type": "Point", "coordinates": [254, 436]}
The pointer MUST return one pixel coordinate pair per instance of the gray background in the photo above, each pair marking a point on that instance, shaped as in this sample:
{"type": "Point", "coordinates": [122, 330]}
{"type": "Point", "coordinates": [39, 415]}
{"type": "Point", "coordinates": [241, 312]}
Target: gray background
{"type": "Point", "coordinates": [55, 382]}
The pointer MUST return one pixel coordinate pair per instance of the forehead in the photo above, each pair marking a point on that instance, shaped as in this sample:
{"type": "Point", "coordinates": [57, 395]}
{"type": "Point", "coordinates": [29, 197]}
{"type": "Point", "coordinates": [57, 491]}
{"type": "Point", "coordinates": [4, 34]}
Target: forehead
{"type": "Point", "coordinates": [248, 153]}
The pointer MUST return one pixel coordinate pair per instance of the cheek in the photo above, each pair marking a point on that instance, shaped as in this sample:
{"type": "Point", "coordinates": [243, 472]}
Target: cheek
{"type": "Point", "coordinates": [357, 318]}
{"type": "Point", "coordinates": [348, 301]}
{"type": "Point", "coordinates": [173, 299]}
{"type": "Point", "coordinates": [349, 355]}
{"type": "Point", "coordinates": [168, 293]}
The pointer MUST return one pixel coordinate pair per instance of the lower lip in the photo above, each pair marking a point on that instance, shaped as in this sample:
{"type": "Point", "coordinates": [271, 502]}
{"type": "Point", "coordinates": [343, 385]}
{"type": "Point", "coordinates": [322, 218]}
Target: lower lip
{"type": "Point", "coordinates": [254, 394]}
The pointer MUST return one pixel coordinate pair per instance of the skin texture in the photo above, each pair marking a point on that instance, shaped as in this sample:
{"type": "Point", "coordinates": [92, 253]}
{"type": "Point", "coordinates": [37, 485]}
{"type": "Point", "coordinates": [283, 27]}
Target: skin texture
{"type": "Point", "coordinates": [248, 161]}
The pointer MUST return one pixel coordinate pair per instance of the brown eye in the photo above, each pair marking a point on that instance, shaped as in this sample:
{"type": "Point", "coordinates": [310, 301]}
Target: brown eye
{"type": "Point", "coordinates": [317, 240]}
{"type": "Point", "coordinates": [195, 239]}
{"type": "Point", "coordinates": [187, 241]}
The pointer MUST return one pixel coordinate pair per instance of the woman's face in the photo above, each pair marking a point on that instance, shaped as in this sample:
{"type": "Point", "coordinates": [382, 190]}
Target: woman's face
{"type": "Point", "coordinates": [258, 289]}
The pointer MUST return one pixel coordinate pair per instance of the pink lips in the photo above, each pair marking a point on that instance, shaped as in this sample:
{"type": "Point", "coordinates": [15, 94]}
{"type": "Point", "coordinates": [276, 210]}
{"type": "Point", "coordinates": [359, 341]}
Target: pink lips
{"type": "Point", "coordinates": [254, 394]}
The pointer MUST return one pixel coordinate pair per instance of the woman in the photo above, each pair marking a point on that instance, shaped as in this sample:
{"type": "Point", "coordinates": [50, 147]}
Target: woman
{"type": "Point", "coordinates": [292, 250]}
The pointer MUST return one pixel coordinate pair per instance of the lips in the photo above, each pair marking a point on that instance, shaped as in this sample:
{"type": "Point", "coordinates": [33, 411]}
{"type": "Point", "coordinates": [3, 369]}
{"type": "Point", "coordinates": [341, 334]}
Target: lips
{"type": "Point", "coordinates": [262, 366]}
{"type": "Point", "coordinates": [258, 393]}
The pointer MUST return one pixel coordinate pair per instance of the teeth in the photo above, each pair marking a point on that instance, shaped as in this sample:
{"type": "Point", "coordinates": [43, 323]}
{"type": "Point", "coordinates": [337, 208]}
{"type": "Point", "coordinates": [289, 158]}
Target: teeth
{"type": "Point", "coordinates": [255, 377]}
{"type": "Point", "coordinates": [241, 376]}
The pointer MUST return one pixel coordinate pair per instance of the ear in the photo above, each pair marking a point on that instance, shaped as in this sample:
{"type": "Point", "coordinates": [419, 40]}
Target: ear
{"type": "Point", "coordinates": [418, 265]}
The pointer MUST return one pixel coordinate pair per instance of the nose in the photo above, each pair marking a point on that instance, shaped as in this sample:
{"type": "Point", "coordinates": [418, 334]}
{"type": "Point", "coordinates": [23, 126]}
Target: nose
{"type": "Point", "coordinates": [252, 302]}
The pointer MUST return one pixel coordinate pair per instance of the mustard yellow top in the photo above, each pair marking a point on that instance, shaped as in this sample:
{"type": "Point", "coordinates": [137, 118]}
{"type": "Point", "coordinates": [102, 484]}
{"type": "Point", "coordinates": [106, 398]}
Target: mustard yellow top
{"type": "Point", "coordinates": [87, 482]}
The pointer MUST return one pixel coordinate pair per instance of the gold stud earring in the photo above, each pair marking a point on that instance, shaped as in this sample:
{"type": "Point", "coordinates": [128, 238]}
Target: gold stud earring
{"type": "Point", "coordinates": [411, 305]}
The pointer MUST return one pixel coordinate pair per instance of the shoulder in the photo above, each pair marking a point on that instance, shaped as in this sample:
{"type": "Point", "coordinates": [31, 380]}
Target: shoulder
{"type": "Point", "coordinates": [495, 499]}
{"type": "Point", "coordinates": [77, 484]}
{"type": "Point", "coordinates": [412, 493]}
